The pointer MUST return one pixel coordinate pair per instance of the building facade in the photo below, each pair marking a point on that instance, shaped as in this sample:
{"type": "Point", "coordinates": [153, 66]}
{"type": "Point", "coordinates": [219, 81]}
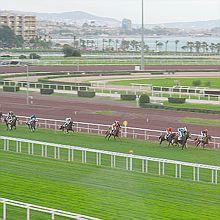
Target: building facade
{"type": "Point", "coordinates": [126, 24]}
{"type": "Point", "coordinates": [22, 25]}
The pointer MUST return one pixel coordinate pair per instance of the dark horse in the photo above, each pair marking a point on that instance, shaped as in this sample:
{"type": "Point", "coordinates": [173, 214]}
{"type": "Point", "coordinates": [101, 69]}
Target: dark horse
{"type": "Point", "coordinates": [183, 141]}
{"type": "Point", "coordinates": [11, 123]}
{"type": "Point", "coordinates": [68, 127]}
{"type": "Point", "coordinates": [202, 141]}
{"type": "Point", "coordinates": [115, 133]}
{"type": "Point", "coordinates": [164, 137]}
{"type": "Point", "coordinates": [32, 125]}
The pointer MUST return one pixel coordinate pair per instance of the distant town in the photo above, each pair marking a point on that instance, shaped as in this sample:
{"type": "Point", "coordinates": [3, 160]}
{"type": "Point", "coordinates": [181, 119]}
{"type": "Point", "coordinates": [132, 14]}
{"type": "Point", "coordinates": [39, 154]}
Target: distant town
{"type": "Point", "coordinates": [89, 32]}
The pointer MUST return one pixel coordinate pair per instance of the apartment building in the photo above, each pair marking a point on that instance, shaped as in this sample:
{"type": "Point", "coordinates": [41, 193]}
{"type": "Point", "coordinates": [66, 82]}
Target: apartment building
{"type": "Point", "coordinates": [22, 25]}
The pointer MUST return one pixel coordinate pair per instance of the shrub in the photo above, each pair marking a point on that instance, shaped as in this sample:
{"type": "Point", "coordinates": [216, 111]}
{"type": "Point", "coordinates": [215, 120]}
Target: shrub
{"type": "Point", "coordinates": [46, 91]}
{"type": "Point", "coordinates": [196, 83]}
{"type": "Point", "coordinates": [34, 56]}
{"type": "Point", "coordinates": [177, 100]}
{"type": "Point", "coordinates": [70, 51]}
{"type": "Point", "coordinates": [22, 57]}
{"type": "Point", "coordinates": [11, 88]}
{"type": "Point", "coordinates": [207, 84]}
{"type": "Point", "coordinates": [143, 100]}
{"type": "Point", "coordinates": [128, 97]}
{"type": "Point", "coordinates": [86, 94]}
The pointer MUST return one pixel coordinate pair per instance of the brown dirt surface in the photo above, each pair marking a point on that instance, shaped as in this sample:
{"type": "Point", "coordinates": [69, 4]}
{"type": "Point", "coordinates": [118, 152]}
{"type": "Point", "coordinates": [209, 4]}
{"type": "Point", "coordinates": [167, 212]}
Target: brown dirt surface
{"type": "Point", "coordinates": [59, 68]}
{"type": "Point", "coordinates": [85, 110]}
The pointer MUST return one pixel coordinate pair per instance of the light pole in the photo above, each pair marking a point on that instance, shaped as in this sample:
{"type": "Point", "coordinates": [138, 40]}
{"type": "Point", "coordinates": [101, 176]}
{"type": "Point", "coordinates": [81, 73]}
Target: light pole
{"type": "Point", "coordinates": [142, 38]}
{"type": "Point", "coordinates": [28, 84]}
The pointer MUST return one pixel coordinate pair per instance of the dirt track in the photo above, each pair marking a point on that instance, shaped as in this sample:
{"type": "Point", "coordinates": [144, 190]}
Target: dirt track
{"type": "Point", "coordinates": [59, 108]}
{"type": "Point", "coordinates": [58, 68]}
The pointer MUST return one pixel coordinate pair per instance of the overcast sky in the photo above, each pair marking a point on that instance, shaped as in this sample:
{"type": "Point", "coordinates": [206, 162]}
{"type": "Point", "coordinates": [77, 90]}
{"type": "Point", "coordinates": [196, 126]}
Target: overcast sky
{"type": "Point", "coordinates": [156, 11]}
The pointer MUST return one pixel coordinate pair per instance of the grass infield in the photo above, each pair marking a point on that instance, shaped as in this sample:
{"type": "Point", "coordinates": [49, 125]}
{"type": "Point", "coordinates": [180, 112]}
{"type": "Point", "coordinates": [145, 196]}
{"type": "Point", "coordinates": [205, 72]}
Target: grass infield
{"type": "Point", "coordinates": [101, 191]}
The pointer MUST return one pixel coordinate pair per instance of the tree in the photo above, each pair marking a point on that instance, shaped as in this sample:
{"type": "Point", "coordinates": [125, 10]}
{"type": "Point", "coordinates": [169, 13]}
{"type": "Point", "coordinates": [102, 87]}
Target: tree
{"type": "Point", "coordinates": [9, 39]}
{"type": "Point", "coordinates": [70, 51]}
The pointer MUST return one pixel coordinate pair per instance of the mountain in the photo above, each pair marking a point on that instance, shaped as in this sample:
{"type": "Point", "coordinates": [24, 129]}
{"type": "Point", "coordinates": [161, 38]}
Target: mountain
{"type": "Point", "coordinates": [190, 25]}
{"type": "Point", "coordinates": [74, 17]}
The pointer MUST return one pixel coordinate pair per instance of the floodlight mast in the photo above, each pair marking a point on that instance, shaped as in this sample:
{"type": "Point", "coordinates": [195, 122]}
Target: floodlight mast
{"type": "Point", "coordinates": [142, 38]}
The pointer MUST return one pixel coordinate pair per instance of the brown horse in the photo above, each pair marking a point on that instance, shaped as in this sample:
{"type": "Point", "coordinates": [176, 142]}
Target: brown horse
{"type": "Point", "coordinates": [68, 127]}
{"type": "Point", "coordinates": [202, 141]}
{"type": "Point", "coordinates": [181, 142]}
{"type": "Point", "coordinates": [115, 133]}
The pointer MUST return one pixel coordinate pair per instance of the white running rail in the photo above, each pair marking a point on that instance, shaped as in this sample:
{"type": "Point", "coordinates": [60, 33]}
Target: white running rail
{"type": "Point", "coordinates": [129, 132]}
{"type": "Point", "coordinates": [30, 207]}
{"type": "Point", "coordinates": [45, 149]}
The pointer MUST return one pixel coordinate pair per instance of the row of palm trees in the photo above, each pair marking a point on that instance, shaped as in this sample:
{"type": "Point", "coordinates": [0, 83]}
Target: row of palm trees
{"type": "Point", "coordinates": [134, 45]}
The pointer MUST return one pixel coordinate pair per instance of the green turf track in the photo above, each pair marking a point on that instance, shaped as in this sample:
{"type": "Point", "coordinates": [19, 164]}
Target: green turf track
{"type": "Point", "coordinates": [103, 192]}
{"type": "Point", "coordinates": [169, 82]}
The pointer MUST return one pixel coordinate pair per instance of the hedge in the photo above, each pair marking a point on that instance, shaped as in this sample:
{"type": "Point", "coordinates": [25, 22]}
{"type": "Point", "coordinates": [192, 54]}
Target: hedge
{"type": "Point", "coordinates": [86, 94]}
{"type": "Point", "coordinates": [46, 91]}
{"type": "Point", "coordinates": [144, 99]}
{"type": "Point", "coordinates": [197, 110]}
{"type": "Point", "coordinates": [11, 88]}
{"type": "Point", "coordinates": [128, 97]}
{"type": "Point", "coordinates": [176, 100]}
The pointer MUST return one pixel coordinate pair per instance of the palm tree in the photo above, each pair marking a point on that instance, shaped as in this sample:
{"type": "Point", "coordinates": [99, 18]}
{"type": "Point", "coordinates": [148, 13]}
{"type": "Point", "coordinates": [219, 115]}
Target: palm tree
{"type": "Point", "coordinates": [197, 46]}
{"type": "Point", "coordinates": [217, 46]}
{"type": "Point", "coordinates": [116, 44]}
{"type": "Point", "coordinates": [212, 47]}
{"type": "Point", "coordinates": [176, 45]}
{"type": "Point", "coordinates": [190, 46]}
{"type": "Point", "coordinates": [166, 45]}
{"type": "Point", "coordinates": [184, 48]}
{"type": "Point", "coordinates": [159, 45]}
{"type": "Point", "coordinates": [204, 46]}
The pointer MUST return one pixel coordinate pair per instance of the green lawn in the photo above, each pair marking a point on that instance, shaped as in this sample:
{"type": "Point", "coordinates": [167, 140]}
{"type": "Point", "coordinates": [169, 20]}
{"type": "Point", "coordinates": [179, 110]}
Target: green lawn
{"type": "Point", "coordinates": [169, 82]}
{"type": "Point", "coordinates": [103, 192]}
{"type": "Point", "coordinates": [201, 121]}
{"type": "Point", "coordinates": [196, 106]}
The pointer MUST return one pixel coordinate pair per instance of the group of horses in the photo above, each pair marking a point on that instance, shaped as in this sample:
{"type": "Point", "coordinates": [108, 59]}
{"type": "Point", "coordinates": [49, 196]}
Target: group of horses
{"type": "Point", "coordinates": [173, 139]}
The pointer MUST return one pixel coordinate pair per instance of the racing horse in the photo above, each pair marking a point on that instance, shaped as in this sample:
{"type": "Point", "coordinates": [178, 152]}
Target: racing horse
{"type": "Point", "coordinates": [115, 133]}
{"type": "Point", "coordinates": [11, 123]}
{"type": "Point", "coordinates": [164, 137]}
{"type": "Point", "coordinates": [68, 127]}
{"type": "Point", "coordinates": [32, 125]}
{"type": "Point", "coordinates": [183, 141]}
{"type": "Point", "coordinates": [202, 141]}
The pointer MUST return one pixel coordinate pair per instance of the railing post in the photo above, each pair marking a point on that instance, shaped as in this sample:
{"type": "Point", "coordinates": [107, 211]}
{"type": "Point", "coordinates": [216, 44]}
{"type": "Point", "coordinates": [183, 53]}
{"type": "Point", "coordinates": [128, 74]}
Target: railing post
{"type": "Point", "coordinates": [126, 163]}
{"type": "Point", "coordinates": [159, 169]}
{"type": "Point", "coordinates": [52, 216]}
{"type": "Point", "coordinates": [131, 163]}
{"type": "Point", "coordinates": [4, 211]}
{"type": "Point", "coordinates": [176, 170]}
{"type": "Point", "coordinates": [198, 174]}
{"type": "Point", "coordinates": [28, 213]}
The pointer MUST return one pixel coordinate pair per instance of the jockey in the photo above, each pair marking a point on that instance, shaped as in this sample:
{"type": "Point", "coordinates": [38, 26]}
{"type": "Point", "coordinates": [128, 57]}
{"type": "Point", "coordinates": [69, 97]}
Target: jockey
{"type": "Point", "coordinates": [181, 132]}
{"type": "Point", "coordinates": [204, 133]}
{"type": "Point", "coordinates": [32, 118]}
{"type": "Point", "coordinates": [10, 116]}
{"type": "Point", "coordinates": [67, 121]}
{"type": "Point", "coordinates": [169, 131]}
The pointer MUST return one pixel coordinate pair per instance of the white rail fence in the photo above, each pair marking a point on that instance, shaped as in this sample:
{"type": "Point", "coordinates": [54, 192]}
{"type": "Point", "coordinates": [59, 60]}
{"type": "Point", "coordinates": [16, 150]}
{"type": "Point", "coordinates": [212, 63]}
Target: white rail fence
{"type": "Point", "coordinates": [129, 162]}
{"type": "Point", "coordinates": [30, 207]}
{"type": "Point", "coordinates": [126, 132]}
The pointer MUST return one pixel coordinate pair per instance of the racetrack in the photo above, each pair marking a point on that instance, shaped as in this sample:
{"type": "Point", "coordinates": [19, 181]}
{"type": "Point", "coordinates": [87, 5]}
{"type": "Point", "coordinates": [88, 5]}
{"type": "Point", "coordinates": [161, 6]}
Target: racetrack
{"type": "Point", "coordinates": [71, 68]}
{"type": "Point", "coordinates": [86, 110]}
